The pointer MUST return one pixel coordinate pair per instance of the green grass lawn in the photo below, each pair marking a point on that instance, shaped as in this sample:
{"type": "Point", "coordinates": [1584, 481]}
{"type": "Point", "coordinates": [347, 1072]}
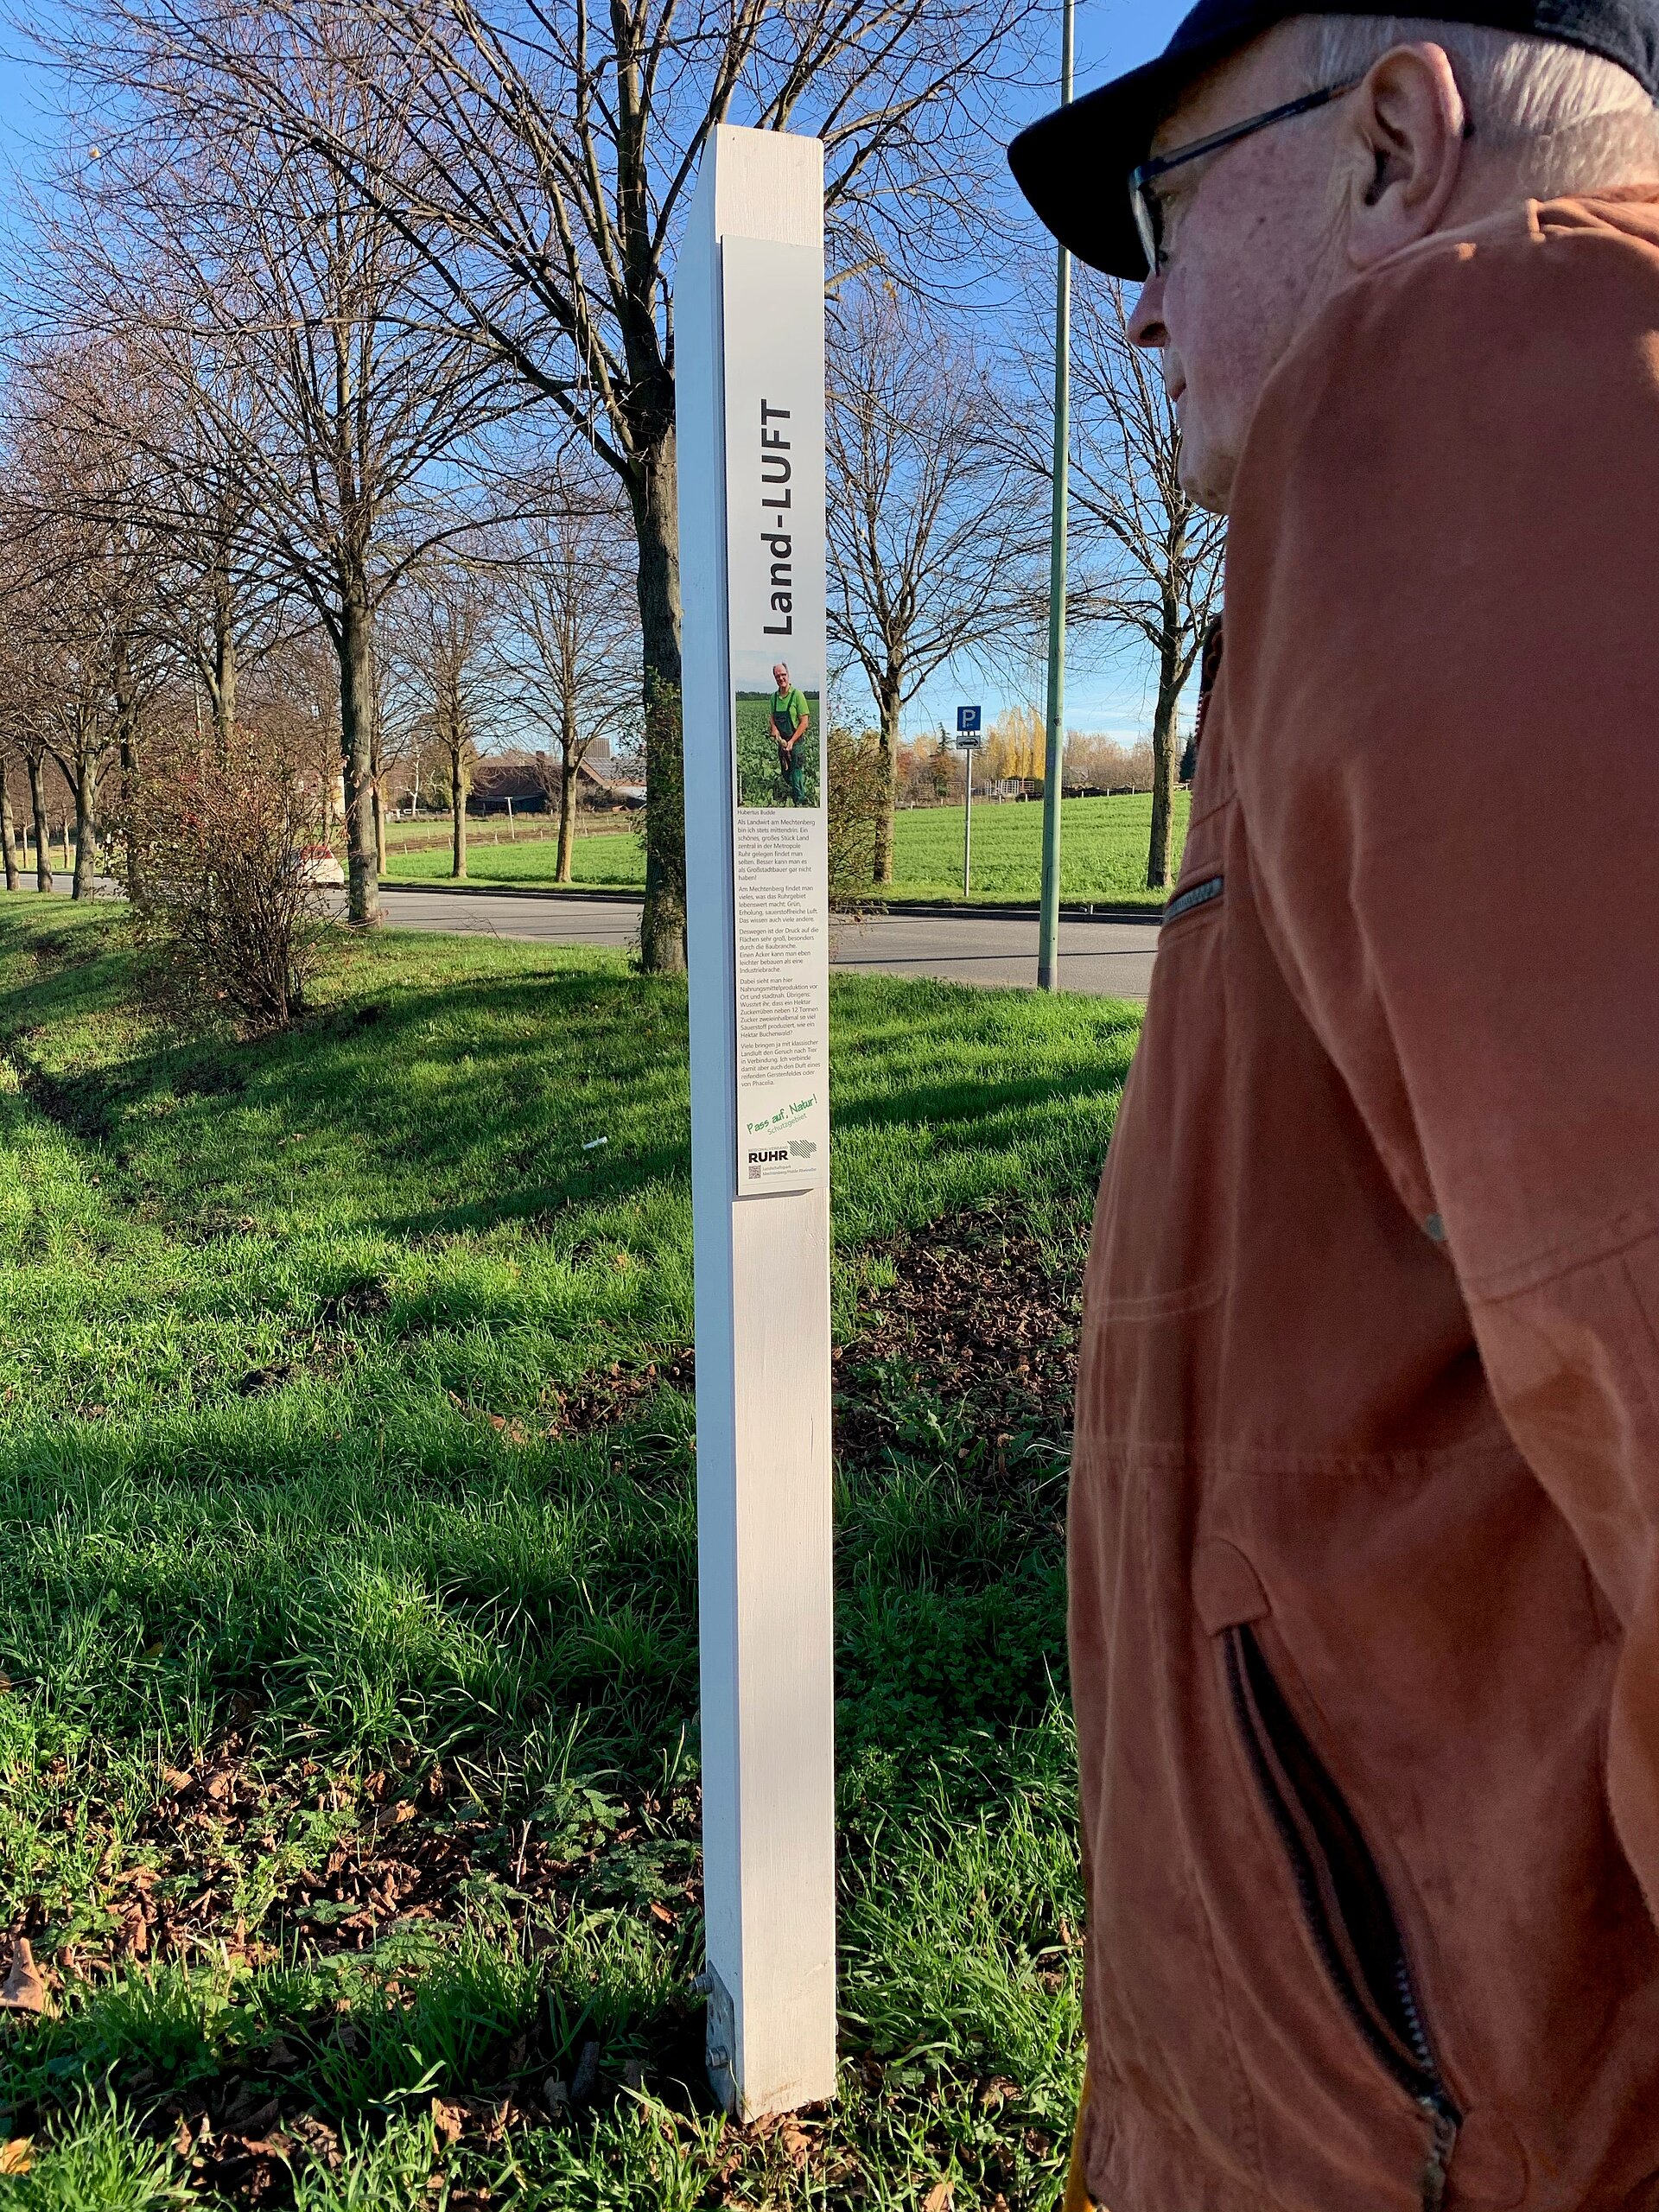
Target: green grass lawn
{"type": "Point", "coordinates": [1103, 853]}
{"type": "Point", "coordinates": [347, 1733]}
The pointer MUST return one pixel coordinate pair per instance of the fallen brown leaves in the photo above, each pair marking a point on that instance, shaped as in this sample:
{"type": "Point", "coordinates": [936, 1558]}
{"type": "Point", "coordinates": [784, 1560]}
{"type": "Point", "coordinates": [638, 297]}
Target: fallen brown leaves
{"type": "Point", "coordinates": [23, 1989]}
{"type": "Point", "coordinates": [601, 1401]}
{"type": "Point", "coordinates": [407, 1847]}
{"type": "Point", "coordinates": [253, 2161]}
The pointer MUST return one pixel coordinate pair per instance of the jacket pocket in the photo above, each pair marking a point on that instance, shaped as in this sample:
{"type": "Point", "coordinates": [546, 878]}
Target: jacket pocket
{"type": "Point", "coordinates": [1344, 1904]}
{"type": "Point", "coordinates": [1163, 1213]}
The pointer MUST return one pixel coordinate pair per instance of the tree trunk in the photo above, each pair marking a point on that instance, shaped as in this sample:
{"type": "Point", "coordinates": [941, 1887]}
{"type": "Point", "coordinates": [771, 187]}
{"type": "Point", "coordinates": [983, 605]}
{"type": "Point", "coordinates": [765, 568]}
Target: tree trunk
{"type": "Point", "coordinates": [656, 524]}
{"type": "Point", "coordinates": [567, 814]}
{"type": "Point", "coordinates": [8, 829]}
{"type": "Point", "coordinates": [458, 808]}
{"type": "Point", "coordinates": [662, 922]}
{"type": "Point", "coordinates": [126, 716]}
{"type": "Point", "coordinates": [225, 665]}
{"type": "Point", "coordinates": [357, 751]}
{"type": "Point", "coordinates": [1164, 763]}
{"type": "Point", "coordinates": [887, 743]}
{"type": "Point", "coordinates": [85, 828]}
{"type": "Point", "coordinates": [37, 808]}
{"type": "Point", "coordinates": [129, 775]}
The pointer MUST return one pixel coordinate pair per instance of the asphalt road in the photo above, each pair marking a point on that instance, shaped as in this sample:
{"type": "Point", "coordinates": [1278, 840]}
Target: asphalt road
{"type": "Point", "coordinates": [1109, 959]}
{"type": "Point", "coordinates": [1106, 959]}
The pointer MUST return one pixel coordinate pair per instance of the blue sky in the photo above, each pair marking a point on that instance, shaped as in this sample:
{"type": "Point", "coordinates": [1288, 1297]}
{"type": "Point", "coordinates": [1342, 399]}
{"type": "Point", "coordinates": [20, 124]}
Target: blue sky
{"type": "Point", "coordinates": [1107, 689]}
{"type": "Point", "coordinates": [25, 93]}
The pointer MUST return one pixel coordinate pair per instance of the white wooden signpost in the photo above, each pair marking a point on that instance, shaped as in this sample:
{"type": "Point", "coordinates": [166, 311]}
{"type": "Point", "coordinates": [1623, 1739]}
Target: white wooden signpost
{"type": "Point", "coordinates": [748, 299]}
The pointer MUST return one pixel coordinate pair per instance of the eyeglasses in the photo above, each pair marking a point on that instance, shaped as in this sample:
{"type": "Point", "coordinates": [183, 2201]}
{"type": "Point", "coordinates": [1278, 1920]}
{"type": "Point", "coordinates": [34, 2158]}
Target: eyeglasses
{"type": "Point", "coordinates": [1147, 209]}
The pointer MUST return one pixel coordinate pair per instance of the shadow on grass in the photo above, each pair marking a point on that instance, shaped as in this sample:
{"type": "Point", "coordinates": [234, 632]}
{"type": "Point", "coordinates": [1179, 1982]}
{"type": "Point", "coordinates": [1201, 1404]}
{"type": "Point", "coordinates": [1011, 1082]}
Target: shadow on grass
{"type": "Point", "coordinates": [525, 1621]}
{"type": "Point", "coordinates": [424, 1583]}
{"type": "Point", "coordinates": [245, 1630]}
{"type": "Point", "coordinates": [500, 1083]}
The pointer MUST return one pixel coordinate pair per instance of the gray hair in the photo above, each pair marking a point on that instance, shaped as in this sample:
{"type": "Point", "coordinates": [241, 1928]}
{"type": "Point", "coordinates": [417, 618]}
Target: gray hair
{"type": "Point", "coordinates": [1577, 121]}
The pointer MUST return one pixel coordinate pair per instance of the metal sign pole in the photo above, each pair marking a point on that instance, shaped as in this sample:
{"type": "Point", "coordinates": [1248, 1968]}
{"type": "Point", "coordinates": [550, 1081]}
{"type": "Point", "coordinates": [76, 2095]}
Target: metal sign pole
{"type": "Point", "coordinates": [967, 819]}
{"type": "Point", "coordinates": [968, 737]}
{"type": "Point", "coordinates": [748, 299]}
{"type": "Point", "coordinates": [1048, 926]}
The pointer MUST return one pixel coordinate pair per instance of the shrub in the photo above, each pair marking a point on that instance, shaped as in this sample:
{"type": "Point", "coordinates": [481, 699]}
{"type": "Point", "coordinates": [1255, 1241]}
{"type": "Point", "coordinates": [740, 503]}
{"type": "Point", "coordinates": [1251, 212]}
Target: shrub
{"type": "Point", "coordinates": [857, 800]}
{"type": "Point", "coordinates": [215, 834]}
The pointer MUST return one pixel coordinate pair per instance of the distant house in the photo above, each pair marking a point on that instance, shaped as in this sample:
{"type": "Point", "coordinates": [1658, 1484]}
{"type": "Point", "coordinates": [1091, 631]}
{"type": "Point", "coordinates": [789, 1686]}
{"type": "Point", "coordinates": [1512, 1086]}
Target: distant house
{"type": "Point", "coordinates": [532, 783]}
{"type": "Point", "coordinates": [502, 786]}
{"type": "Point", "coordinates": [608, 782]}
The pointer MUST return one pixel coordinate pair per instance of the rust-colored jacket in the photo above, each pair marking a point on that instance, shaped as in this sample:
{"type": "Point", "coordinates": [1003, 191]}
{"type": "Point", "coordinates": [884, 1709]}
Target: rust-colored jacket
{"type": "Point", "coordinates": [1364, 1615]}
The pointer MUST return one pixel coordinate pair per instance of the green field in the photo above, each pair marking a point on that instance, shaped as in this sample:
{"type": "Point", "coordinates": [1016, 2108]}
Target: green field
{"type": "Point", "coordinates": [607, 859]}
{"type": "Point", "coordinates": [1102, 850]}
{"type": "Point", "coordinates": [348, 1752]}
{"type": "Point", "coordinates": [1103, 853]}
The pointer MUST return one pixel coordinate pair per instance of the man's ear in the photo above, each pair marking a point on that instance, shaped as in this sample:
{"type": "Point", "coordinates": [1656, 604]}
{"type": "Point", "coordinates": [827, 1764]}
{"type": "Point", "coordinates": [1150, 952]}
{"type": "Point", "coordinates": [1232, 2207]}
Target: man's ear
{"type": "Point", "coordinates": [1407, 129]}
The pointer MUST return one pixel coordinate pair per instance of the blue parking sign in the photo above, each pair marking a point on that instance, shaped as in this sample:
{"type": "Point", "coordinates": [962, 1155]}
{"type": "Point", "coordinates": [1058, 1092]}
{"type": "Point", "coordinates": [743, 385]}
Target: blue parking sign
{"type": "Point", "coordinates": [967, 720]}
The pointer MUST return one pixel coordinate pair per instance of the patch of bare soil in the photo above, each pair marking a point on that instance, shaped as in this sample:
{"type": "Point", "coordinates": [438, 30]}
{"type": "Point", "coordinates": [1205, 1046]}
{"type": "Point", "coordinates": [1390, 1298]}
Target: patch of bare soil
{"type": "Point", "coordinates": [981, 1317]}
{"type": "Point", "coordinates": [603, 1401]}
{"type": "Point", "coordinates": [980, 1314]}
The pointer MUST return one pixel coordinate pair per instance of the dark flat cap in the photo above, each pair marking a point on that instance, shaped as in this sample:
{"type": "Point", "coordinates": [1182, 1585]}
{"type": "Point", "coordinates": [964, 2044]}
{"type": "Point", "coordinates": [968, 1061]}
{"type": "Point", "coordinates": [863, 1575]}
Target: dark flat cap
{"type": "Point", "coordinates": [1073, 166]}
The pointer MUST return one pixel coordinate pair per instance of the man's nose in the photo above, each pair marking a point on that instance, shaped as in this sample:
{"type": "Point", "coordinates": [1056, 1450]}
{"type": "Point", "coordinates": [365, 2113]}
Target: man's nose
{"type": "Point", "coordinates": [1147, 324]}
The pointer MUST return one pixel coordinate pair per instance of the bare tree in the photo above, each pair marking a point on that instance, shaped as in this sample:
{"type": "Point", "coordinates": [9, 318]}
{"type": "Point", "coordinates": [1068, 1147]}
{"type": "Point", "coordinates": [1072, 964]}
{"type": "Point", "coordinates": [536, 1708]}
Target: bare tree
{"type": "Point", "coordinates": [930, 521]}
{"type": "Point", "coordinates": [335, 403]}
{"type": "Point", "coordinates": [171, 412]}
{"type": "Point", "coordinates": [575, 636]}
{"type": "Point", "coordinates": [78, 593]}
{"type": "Point", "coordinates": [1148, 559]}
{"type": "Point", "coordinates": [297, 686]}
{"type": "Point", "coordinates": [536, 157]}
{"type": "Point", "coordinates": [33, 745]}
{"type": "Point", "coordinates": [222, 601]}
{"type": "Point", "coordinates": [21, 723]}
{"type": "Point", "coordinates": [445, 619]}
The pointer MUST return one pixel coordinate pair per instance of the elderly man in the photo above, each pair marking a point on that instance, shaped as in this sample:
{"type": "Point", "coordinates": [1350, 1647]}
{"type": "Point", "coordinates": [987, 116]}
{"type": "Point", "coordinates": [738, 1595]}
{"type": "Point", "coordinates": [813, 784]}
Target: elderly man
{"type": "Point", "coordinates": [1364, 1539]}
{"type": "Point", "coordinates": [789, 724]}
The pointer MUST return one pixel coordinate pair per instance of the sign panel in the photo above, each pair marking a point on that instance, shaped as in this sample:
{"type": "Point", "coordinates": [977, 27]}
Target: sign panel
{"type": "Point", "coordinates": [749, 318]}
{"type": "Point", "coordinates": [967, 720]}
{"type": "Point", "coordinates": [773, 317]}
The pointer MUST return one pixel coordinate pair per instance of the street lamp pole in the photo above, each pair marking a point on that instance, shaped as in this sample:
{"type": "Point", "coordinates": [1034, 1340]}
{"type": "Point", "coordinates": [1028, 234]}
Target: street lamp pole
{"type": "Point", "coordinates": [1048, 927]}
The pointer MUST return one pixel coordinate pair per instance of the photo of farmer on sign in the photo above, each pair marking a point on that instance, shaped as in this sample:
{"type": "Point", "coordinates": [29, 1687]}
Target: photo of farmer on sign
{"type": "Point", "coordinates": [790, 725]}
{"type": "Point", "coordinates": [777, 744]}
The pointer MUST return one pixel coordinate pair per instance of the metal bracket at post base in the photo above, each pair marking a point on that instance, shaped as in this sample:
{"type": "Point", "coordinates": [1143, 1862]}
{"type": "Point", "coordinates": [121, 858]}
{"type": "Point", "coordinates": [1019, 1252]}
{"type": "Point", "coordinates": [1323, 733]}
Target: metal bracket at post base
{"type": "Point", "coordinates": [720, 2039]}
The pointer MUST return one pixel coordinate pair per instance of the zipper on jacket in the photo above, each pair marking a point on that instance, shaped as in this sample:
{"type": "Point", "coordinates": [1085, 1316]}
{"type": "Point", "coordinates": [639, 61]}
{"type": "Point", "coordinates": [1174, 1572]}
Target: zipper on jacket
{"type": "Point", "coordinates": [1348, 1912]}
{"type": "Point", "coordinates": [1196, 894]}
